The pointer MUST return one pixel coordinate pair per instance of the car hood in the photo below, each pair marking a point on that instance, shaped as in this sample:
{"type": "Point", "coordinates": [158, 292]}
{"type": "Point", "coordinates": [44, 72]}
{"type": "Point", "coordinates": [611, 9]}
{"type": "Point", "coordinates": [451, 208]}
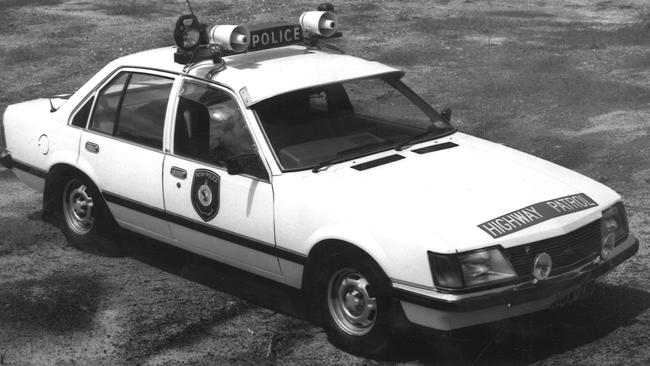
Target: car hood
{"type": "Point", "coordinates": [445, 195]}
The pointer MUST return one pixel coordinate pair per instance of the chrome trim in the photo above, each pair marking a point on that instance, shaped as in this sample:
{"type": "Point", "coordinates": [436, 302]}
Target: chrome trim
{"type": "Point", "coordinates": [177, 172]}
{"type": "Point", "coordinates": [92, 147]}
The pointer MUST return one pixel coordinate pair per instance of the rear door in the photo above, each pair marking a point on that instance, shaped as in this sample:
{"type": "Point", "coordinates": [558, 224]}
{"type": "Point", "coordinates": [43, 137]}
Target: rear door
{"type": "Point", "coordinates": [122, 147]}
{"type": "Point", "coordinates": [223, 216]}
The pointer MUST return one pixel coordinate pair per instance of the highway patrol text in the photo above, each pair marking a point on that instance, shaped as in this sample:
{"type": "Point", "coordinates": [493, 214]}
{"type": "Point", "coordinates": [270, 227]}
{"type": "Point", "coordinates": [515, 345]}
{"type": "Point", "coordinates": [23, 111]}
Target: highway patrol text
{"type": "Point", "coordinates": [534, 214]}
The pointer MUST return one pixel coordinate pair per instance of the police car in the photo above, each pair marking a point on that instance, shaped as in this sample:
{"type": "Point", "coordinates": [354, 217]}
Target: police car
{"type": "Point", "coordinates": [268, 150]}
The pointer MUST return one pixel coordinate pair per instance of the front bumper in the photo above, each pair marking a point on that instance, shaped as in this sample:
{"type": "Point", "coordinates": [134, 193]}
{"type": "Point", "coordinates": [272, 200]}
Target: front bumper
{"type": "Point", "coordinates": [5, 159]}
{"type": "Point", "coordinates": [447, 312]}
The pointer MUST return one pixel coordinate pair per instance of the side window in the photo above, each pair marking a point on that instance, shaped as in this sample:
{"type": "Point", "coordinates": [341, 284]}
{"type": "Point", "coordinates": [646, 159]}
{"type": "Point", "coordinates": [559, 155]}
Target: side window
{"type": "Point", "coordinates": [142, 114]}
{"type": "Point", "coordinates": [106, 111]}
{"type": "Point", "coordinates": [132, 107]}
{"type": "Point", "coordinates": [81, 118]}
{"type": "Point", "coordinates": [211, 128]}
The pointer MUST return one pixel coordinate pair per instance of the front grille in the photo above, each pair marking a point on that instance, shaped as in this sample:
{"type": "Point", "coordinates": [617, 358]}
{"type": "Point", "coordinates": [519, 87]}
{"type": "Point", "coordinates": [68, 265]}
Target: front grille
{"type": "Point", "coordinates": [567, 251]}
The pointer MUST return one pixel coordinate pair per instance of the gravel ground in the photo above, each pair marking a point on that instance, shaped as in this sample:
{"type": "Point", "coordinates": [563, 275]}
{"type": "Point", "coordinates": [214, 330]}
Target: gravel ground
{"type": "Point", "coordinates": [565, 80]}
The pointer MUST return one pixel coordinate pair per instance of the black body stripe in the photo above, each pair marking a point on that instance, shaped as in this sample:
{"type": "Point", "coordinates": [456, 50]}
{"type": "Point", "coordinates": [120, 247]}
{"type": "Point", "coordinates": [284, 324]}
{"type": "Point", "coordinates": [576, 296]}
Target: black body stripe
{"type": "Point", "coordinates": [29, 169]}
{"type": "Point", "coordinates": [378, 162]}
{"type": "Point", "coordinates": [436, 147]}
{"type": "Point", "coordinates": [125, 202]}
{"type": "Point", "coordinates": [206, 229]}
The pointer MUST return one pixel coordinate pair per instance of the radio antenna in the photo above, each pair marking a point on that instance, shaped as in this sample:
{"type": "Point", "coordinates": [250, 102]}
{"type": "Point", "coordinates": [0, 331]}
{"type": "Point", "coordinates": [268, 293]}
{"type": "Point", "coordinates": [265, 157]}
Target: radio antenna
{"type": "Point", "coordinates": [487, 84]}
{"type": "Point", "coordinates": [52, 109]}
{"type": "Point", "coordinates": [189, 6]}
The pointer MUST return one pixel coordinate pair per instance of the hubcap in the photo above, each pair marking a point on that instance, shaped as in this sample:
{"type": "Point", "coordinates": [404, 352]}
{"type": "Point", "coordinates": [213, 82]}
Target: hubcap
{"type": "Point", "coordinates": [78, 208]}
{"type": "Point", "coordinates": [351, 302]}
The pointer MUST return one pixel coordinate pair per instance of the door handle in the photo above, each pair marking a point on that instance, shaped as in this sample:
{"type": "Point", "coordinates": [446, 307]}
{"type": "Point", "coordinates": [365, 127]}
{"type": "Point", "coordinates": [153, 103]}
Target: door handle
{"type": "Point", "coordinates": [178, 172]}
{"type": "Point", "coordinates": [92, 147]}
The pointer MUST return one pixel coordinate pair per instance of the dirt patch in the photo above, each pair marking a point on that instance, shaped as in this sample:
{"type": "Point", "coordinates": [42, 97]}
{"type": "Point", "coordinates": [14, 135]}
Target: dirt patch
{"type": "Point", "coordinates": [58, 303]}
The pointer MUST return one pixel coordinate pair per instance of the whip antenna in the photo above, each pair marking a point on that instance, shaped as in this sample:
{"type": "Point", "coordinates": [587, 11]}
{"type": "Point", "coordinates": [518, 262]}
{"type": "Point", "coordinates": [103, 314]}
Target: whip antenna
{"type": "Point", "coordinates": [189, 6]}
{"type": "Point", "coordinates": [487, 83]}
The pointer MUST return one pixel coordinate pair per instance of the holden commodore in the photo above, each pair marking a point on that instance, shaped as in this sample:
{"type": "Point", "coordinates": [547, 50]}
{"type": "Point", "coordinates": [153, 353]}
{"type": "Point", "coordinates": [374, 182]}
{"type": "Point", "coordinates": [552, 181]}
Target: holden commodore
{"type": "Point", "coordinates": [269, 151]}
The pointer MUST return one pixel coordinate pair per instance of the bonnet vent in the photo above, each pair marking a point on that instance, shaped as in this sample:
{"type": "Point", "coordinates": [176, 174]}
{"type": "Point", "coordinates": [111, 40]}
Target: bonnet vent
{"type": "Point", "coordinates": [378, 162]}
{"type": "Point", "coordinates": [436, 147]}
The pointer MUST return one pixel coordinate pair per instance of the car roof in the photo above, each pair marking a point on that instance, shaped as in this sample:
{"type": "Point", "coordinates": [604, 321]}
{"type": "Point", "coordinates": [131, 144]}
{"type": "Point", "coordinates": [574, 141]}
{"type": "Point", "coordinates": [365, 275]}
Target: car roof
{"type": "Point", "coordinates": [268, 73]}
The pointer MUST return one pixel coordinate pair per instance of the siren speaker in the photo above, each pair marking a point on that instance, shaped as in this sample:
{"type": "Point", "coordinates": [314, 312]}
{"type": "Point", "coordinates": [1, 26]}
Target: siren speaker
{"type": "Point", "coordinates": [322, 23]}
{"type": "Point", "coordinates": [235, 38]}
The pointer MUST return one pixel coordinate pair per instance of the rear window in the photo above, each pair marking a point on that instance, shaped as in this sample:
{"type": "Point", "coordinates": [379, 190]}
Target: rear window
{"type": "Point", "coordinates": [132, 107]}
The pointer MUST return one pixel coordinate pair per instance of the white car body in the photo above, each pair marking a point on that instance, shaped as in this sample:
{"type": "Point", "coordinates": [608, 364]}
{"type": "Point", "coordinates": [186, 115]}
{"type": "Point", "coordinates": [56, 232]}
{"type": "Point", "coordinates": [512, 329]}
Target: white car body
{"type": "Point", "coordinates": [395, 212]}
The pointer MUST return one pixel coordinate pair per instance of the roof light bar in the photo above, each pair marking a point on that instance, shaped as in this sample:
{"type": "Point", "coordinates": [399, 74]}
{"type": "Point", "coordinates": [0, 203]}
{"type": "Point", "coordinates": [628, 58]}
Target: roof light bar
{"type": "Point", "coordinates": [235, 38]}
{"type": "Point", "coordinates": [196, 42]}
{"type": "Point", "coordinates": [322, 23]}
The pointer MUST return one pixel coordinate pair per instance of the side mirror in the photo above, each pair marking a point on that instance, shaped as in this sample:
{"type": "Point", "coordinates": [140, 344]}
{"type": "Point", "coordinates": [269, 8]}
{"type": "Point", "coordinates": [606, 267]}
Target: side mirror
{"type": "Point", "coordinates": [242, 163]}
{"type": "Point", "coordinates": [446, 115]}
{"type": "Point", "coordinates": [234, 166]}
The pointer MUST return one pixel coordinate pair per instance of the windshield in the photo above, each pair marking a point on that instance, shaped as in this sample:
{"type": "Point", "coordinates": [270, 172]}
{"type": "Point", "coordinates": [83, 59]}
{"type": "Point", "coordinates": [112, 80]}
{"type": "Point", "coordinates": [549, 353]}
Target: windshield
{"type": "Point", "coordinates": [336, 122]}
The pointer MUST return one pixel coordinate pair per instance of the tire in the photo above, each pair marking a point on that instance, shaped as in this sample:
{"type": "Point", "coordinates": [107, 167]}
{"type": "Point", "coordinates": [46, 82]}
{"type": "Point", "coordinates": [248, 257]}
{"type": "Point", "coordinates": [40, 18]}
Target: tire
{"type": "Point", "coordinates": [84, 218]}
{"type": "Point", "coordinates": [356, 306]}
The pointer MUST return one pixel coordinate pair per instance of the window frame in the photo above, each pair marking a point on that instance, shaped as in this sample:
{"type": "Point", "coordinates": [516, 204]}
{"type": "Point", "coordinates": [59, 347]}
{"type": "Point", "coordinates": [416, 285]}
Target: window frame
{"type": "Point", "coordinates": [112, 76]}
{"type": "Point", "coordinates": [242, 111]}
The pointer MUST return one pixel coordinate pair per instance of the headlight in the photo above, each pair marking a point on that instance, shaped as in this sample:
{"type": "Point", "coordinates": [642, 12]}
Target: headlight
{"type": "Point", "coordinates": [614, 228]}
{"type": "Point", "coordinates": [470, 269]}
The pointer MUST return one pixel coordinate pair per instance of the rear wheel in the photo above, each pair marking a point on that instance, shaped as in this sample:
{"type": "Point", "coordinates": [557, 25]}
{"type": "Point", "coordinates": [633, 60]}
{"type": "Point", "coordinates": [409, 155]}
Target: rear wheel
{"type": "Point", "coordinates": [78, 208]}
{"type": "Point", "coordinates": [85, 220]}
{"type": "Point", "coordinates": [356, 305]}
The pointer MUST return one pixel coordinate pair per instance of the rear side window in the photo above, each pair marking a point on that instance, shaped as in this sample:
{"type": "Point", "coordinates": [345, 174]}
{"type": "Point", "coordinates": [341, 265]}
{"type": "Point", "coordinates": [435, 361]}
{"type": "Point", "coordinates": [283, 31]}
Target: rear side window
{"type": "Point", "coordinates": [132, 108]}
{"type": "Point", "coordinates": [142, 116]}
{"type": "Point", "coordinates": [81, 118]}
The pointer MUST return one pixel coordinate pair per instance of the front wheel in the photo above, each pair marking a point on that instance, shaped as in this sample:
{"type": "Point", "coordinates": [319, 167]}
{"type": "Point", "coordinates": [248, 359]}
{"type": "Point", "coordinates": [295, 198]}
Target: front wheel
{"type": "Point", "coordinates": [85, 220]}
{"type": "Point", "coordinates": [357, 306]}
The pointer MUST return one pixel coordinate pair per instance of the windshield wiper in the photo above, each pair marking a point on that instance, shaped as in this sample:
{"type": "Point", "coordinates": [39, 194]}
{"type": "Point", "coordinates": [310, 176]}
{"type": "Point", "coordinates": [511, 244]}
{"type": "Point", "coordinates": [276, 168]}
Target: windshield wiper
{"type": "Point", "coordinates": [415, 139]}
{"type": "Point", "coordinates": [421, 137]}
{"type": "Point", "coordinates": [344, 155]}
{"type": "Point", "coordinates": [325, 164]}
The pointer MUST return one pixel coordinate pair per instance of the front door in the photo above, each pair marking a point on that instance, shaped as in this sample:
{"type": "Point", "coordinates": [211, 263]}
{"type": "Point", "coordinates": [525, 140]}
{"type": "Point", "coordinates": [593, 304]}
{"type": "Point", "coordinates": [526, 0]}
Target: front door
{"type": "Point", "coordinates": [216, 214]}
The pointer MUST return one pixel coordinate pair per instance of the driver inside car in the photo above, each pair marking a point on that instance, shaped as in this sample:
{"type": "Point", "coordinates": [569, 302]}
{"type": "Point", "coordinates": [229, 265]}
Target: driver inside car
{"type": "Point", "coordinates": [229, 136]}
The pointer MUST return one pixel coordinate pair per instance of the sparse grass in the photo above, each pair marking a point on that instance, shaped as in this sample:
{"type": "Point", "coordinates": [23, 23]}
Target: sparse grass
{"type": "Point", "coordinates": [7, 4]}
{"type": "Point", "coordinates": [366, 7]}
{"type": "Point", "coordinates": [637, 61]}
{"type": "Point", "coordinates": [132, 8]}
{"type": "Point", "coordinates": [73, 30]}
{"type": "Point", "coordinates": [463, 24]}
{"type": "Point", "coordinates": [25, 53]}
{"type": "Point", "coordinates": [520, 14]}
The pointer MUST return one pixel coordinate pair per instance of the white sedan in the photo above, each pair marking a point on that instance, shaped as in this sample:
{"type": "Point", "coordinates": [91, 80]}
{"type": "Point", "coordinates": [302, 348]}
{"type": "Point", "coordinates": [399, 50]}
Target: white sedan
{"type": "Point", "coordinates": [318, 170]}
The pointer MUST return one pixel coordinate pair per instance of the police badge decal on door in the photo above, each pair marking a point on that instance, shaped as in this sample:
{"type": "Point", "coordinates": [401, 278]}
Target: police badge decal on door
{"type": "Point", "coordinates": [205, 194]}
